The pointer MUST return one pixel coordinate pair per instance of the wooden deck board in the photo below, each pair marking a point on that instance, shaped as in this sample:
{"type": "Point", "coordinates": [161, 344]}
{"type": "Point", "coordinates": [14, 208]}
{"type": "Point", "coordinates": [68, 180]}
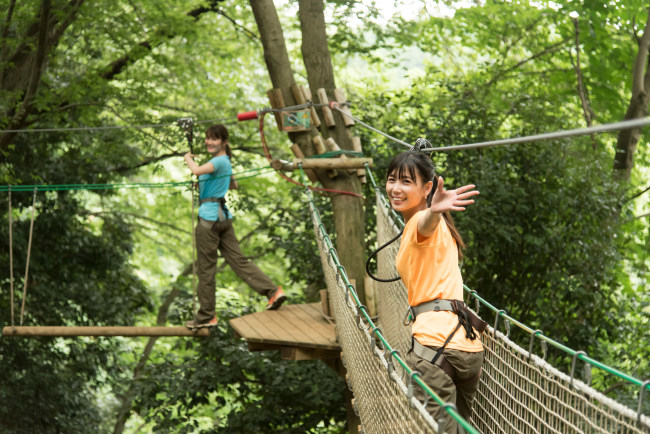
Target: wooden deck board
{"type": "Point", "coordinates": [294, 325]}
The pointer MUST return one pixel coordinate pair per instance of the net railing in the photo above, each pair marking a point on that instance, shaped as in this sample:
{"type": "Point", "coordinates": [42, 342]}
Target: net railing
{"type": "Point", "coordinates": [519, 392]}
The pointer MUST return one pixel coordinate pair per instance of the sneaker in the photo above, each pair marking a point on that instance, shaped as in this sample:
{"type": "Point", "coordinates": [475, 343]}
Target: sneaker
{"type": "Point", "coordinates": [194, 324]}
{"type": "Point", "coordinates": [276, 300]}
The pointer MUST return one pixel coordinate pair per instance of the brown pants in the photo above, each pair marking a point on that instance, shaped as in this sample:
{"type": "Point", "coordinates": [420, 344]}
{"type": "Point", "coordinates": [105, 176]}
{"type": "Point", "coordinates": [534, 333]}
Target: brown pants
{"type": "Point", "coordinates": [467, 365]}
{"type": "Point", "coordinates": [214, 237]}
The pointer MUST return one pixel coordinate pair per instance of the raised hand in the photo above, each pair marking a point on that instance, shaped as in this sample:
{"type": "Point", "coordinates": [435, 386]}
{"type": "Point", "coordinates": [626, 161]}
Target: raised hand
{"type": "Point", "coordinates": [452, 200]}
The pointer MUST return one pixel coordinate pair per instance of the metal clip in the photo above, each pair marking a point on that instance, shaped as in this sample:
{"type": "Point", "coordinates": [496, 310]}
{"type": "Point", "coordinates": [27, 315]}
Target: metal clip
{"type": "Point", "coordinates": [409, 317]}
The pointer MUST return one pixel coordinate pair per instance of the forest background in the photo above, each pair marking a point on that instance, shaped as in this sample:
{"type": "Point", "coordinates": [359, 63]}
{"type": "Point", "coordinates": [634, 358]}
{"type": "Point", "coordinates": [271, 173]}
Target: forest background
{"type": "Point", "coordinates": [559, 237]}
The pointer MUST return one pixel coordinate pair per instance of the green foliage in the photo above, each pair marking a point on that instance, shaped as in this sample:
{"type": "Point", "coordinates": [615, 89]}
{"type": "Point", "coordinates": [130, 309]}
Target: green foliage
{"type": "Point", "coordinates": [246, 392]}
{"type": "Point", "coordinates": [551, 239]}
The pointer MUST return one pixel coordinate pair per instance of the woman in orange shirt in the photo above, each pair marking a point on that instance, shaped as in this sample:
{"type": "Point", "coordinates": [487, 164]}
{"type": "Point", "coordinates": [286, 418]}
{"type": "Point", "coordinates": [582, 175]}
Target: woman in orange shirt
{"type": "Point", "coordinates": [446, 349]}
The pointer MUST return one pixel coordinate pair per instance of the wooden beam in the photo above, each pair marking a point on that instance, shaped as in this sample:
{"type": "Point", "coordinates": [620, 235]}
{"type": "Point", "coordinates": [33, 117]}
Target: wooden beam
{"type": "Point", "coordinates": [24, 331]}
{"type": "Point", "coordinates": [332, 163]}
{"type": "Point", "coordinates": [321, 163]}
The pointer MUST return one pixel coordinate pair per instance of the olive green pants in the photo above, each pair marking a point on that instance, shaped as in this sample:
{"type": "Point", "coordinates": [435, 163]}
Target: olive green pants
{"type": "Point", "coordinates": [215, 237]}
{"type": "Point", "coordinates": [467, 365]}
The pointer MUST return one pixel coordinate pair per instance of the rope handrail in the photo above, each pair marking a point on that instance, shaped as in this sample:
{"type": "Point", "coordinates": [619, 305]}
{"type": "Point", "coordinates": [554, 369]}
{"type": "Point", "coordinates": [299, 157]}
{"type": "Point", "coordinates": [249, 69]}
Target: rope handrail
{"type": "Point", "coordinates": [534, 333]}
{"type": "Point", "coordinates": [127, 185]}
{"type": "Point", "coordinates": [362, 311]}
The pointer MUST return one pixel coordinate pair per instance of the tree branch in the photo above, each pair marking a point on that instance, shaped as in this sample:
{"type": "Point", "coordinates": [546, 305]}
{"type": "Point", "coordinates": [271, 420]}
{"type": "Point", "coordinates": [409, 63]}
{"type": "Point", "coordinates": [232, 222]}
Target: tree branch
{"type": "Point", "coordinates": [582, 91]}
{"type": "Point", "coordinates": [4, 33]}
{"type": "Point", "coordinates": [127, 400]}
{"type": "Point", "coordinates": [145, 162]}
{"type": "Point", "coordinates": [141, 217]}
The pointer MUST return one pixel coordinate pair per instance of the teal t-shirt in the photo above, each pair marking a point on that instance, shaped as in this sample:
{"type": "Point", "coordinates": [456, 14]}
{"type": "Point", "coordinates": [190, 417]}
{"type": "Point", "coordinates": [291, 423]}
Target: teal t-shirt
{"type": "Point", "coordinates": [215, 184]}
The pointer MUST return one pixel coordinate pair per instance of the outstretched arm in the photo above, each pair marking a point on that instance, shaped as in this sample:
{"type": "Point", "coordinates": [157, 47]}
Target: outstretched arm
{"type": "Point", "coordinates": [197, 170]}
{"type": "Point", "coordinates": [442, 201]}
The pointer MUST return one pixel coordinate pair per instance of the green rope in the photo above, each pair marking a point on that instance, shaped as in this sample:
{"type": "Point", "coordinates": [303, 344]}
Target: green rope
{"type": "Point", "coordinates": [361, 308]}
{"type": "Point", "coordinates": [129, 185]}
{"type": "Point", "coordinates": [337, 153]}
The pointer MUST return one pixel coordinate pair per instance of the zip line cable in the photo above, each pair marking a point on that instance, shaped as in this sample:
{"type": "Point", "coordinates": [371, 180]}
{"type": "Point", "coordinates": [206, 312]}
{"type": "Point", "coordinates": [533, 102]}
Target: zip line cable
{"type": "Point", "coordinates": [335, 106]}
{"type": "Point", "coordinates": [615, 126]}
{"type": "Point", "coordinates": [623, 125]}
{"type": "Point", "coordinates": [112, 127]}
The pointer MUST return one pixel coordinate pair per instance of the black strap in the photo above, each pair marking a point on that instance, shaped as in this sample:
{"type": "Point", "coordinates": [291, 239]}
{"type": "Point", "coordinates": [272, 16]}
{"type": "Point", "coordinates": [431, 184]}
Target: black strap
{"type": "Point", "coordinates": [219, 200]}
{"type": "Point", "coordinates": [372, 276]}
{"type": "Point", "coordinates": [442, 348]}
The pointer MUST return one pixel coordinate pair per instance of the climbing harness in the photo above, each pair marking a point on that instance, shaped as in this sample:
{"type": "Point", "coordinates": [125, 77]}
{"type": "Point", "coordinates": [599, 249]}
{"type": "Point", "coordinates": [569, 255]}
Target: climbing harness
{"type": "Point", "coordinates": [222, 211]}
{"type": "Point", "coordinates": [466, 319]}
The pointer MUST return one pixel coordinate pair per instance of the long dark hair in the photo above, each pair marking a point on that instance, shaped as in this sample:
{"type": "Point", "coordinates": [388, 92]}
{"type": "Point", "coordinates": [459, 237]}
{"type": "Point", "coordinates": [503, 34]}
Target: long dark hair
{"type": "Point", "coordinates": [218, 131]}
{"type": "Point", "coordinates": [410, 163]}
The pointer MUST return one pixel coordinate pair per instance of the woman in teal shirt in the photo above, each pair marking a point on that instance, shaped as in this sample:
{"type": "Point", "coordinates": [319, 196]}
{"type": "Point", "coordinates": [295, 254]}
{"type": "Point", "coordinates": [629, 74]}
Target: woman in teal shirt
{"type": "Point", "coordinates": [214, 231]}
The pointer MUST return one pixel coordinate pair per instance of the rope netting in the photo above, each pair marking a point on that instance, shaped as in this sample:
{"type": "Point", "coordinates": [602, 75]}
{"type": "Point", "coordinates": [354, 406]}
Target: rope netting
{"type": "Point", "coordinates": [518, 392]}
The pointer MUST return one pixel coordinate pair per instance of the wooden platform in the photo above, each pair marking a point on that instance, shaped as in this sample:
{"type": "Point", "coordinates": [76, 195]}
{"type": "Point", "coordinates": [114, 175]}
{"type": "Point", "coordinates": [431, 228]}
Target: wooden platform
{"type": "Point", "coordinates": [298, 331]}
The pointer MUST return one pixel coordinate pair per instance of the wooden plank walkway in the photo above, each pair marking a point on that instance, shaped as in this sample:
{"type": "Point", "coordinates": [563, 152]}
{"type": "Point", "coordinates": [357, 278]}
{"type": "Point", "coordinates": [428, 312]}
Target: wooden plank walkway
{"type": "Point", "coordinates": [299, 331]}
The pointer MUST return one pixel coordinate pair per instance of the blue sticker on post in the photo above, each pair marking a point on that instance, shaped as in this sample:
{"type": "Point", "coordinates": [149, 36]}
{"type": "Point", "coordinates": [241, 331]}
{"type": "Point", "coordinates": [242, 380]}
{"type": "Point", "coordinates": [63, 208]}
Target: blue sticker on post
{"type": "Point", "coordinates": [296, 120]}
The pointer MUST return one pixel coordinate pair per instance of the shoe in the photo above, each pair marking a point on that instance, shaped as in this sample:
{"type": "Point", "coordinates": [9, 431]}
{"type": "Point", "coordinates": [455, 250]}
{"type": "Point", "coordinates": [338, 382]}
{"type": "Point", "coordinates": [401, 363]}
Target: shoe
{"type": "Point", "coordinates": [194, 324]}
{"type": "Point", "coordinates": [276, 300]}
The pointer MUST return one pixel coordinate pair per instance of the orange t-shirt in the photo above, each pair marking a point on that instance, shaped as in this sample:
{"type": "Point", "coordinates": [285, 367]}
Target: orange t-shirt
{"type": "Point", "coordinates": [429, 270]}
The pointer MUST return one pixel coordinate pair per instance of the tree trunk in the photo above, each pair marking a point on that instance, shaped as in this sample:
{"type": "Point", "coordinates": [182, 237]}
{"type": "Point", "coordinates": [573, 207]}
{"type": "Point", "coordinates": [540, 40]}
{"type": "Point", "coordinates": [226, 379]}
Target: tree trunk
{"type": "Point", "coordinates": [638, 108]}
{"type": "Point", "coordinates": [349, 216]}
{"type": "Point", "coordinates": [348, 210]}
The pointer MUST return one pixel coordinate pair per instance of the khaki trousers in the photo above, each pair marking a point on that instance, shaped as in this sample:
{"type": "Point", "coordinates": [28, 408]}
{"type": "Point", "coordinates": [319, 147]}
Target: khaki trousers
{"type": "Point", "coordinates": [215, 237]}
{"type": "Point", "coordinates": [467, 365]}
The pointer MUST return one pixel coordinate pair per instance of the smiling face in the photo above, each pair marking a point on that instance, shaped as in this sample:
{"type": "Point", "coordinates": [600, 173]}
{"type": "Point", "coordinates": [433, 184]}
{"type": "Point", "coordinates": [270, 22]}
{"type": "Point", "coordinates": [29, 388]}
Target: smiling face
{"type": "Point", "coordinates": [214, 146]}
{"type": "Point", "coordinates": [407, 192]}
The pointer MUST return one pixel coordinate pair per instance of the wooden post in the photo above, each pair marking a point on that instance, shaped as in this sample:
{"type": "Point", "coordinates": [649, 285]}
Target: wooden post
{"type": "Point", "coordinates": [325, 303]}
{"type": "Point", "coordinates": [277, 102]}
{"type": "Point", "coordinates": [356, 147]}
{"type": "Point", "coordinates": [339, 95]}
{"type": "Point", "coordinates": [297, 94]}
{"type": "Point", "coordinates": [327, 112]}
{"type": "Point", "coordinates": [307, 96]}
{"type": "Point", "coordinates": [319, 144]}
{"type": "Point", "coordinates": [371, 300]}
{"type": "Point", "coordinates": [298, 153]}
{"type": "Point", "coordinates": [333, 146]}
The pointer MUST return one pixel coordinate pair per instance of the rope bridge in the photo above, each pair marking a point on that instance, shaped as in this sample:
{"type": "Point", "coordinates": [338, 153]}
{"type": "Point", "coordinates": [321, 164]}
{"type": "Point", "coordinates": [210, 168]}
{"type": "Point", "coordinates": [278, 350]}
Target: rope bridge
{"type": "Point", "coordinates": [518, 393]}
